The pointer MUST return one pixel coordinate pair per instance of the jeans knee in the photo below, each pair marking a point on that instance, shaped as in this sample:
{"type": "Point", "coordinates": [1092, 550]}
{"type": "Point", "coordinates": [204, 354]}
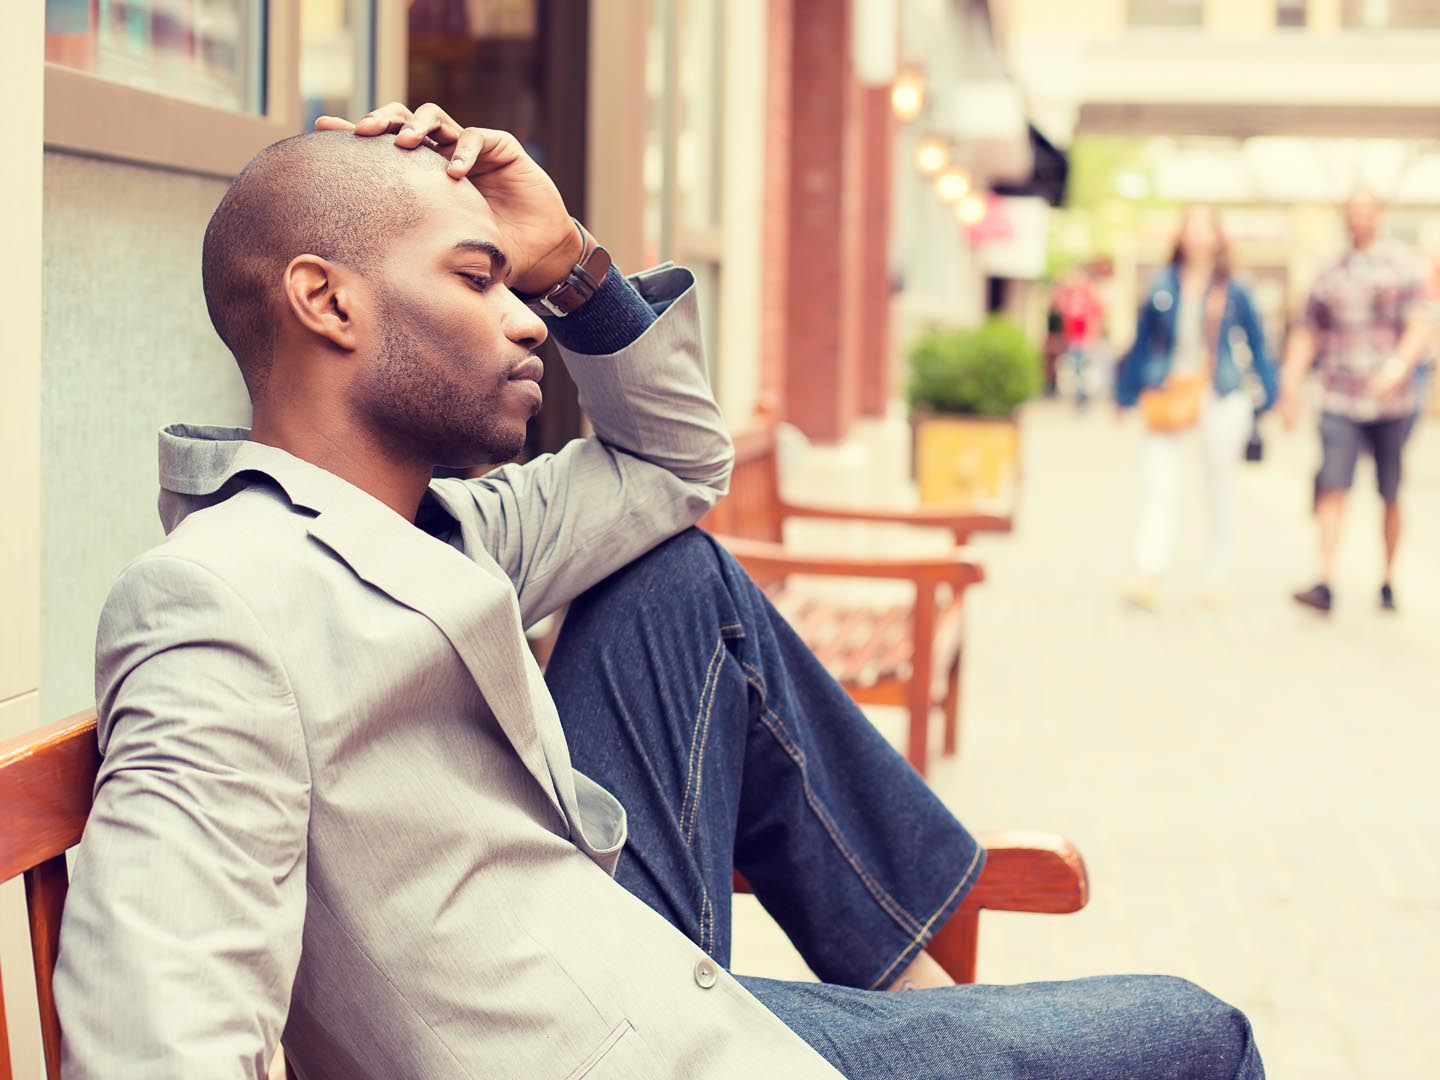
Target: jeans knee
{"type": "Point", "coordinates": [684, 568]}
{"type": "Point", "coordinates": [1218, 1033]}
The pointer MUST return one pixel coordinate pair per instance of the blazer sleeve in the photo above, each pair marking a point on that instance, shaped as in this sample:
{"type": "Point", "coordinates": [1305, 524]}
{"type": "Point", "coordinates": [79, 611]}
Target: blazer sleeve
{"type": "Point", "coordinates": [182, 929]}
{"type": "Point", "coordinates": [659, 459]}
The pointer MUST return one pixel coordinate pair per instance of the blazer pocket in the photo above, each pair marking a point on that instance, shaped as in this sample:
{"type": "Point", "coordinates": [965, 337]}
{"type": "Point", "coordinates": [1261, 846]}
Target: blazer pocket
{"type": "Point", "coordinates": [591, 1066]}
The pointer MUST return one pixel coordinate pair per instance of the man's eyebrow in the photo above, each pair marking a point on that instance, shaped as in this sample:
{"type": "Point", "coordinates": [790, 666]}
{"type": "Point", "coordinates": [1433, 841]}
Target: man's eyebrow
{"type": "Point", "coordinates": [496, 255]}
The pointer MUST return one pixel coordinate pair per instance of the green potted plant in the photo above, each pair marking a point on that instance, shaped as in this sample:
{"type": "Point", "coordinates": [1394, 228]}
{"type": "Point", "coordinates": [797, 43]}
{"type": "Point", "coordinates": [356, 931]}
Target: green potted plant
{"type": "Point", "coordinates": [965, 389]}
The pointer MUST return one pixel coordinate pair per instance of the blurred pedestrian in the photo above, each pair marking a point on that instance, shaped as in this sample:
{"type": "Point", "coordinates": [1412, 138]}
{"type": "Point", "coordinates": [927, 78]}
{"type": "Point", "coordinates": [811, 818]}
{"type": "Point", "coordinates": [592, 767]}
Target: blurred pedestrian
{"type": "Point", "coordinates": [1182, 373]}
{"type": "Point", "coordinates": [1078, 303]}
{"type": "Point", "coordinates": [1368, 324]}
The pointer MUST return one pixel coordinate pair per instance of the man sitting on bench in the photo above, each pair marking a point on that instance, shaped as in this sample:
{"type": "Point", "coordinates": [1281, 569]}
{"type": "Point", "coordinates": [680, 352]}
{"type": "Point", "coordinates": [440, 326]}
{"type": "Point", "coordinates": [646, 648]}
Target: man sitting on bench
{"type": "Point", "coordinates": [337, 800]}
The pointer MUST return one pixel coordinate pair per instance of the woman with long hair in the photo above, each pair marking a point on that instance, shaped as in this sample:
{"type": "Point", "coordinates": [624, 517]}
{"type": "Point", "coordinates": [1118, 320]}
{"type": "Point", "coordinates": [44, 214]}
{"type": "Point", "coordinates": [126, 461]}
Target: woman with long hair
{"type": "Point", "coordinates": [1183, 374]}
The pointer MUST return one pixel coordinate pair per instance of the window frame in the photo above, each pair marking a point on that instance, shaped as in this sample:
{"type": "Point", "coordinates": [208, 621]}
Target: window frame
{"type": "Point", "coordinates": [97, 117]}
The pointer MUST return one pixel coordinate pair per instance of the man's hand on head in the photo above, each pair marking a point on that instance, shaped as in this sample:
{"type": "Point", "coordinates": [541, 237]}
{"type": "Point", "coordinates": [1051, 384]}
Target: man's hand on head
{"type": "Point", "coordinates": [541, 240]}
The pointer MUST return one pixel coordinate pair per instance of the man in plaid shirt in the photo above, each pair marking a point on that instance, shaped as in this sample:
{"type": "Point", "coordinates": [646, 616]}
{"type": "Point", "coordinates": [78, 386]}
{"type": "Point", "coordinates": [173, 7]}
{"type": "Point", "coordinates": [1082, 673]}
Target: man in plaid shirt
{"type": "Point", "coordinates": [1368, 324]}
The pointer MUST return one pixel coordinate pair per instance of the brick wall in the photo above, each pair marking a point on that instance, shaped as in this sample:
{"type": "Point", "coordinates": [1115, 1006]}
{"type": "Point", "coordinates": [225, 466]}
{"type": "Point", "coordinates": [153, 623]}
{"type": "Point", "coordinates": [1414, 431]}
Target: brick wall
{"type": "Point", "coordinates": [828, 145]}
{"type": "Point", "coordinates": [820, 352]}
{"type": "Point", "coordinates": [877, 164]}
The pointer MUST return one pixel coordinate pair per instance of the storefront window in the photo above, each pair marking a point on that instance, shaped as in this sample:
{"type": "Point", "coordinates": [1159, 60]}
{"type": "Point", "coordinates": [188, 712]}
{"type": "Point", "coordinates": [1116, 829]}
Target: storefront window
{"type": "Point", "coordinates": [207, 51]}
{"type": "Point", "coordinates": [1390, 14]}
{"type": "Point", "coordinates": [337, 59]}
{"type": "Point", "coordinates": [1165, 13]}
{"type": "Point", "coordinates": [699, 142]}
{"type": "Point", "coordinates": [684, 147]}
{"type": "Point", "coordinates": [1290, 13]}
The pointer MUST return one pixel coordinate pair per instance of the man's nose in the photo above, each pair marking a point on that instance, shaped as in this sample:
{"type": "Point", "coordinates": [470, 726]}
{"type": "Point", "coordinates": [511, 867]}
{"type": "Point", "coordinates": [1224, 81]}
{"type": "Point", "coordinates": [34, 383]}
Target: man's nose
{"type": "Point", "coordinates": [522, 325]}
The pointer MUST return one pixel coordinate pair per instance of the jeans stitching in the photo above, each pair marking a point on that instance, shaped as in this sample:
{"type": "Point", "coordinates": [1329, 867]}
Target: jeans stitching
{"type": "Point", "coordinates": [706, 924]}
{"type": "Point", "coordinates": [704, 734]}
{"type": "Point", "coordinates": [710, 924]}
{"type": "Point", "coordinates": [891, 907]}
{"type": "Point", "coordinates": [712, 673]}
{"type": "Point", "coordinates": [700, 767]}
{"type": "Point", "coordinates": [882, 897]}
{"type": "Point", "coordinates": [920, 936]}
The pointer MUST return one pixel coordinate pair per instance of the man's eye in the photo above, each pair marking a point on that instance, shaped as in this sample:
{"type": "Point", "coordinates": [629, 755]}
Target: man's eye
{"type": "Point", "coordinates": [479, 281]}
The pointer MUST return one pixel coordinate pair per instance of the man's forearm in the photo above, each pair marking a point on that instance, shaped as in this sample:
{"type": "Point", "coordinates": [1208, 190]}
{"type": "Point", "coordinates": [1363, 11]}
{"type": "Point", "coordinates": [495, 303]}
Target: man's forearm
{"type": "Point", "coordinates": [1299, 359]}
{"type": "Point", "coordinates": [1416, 341]}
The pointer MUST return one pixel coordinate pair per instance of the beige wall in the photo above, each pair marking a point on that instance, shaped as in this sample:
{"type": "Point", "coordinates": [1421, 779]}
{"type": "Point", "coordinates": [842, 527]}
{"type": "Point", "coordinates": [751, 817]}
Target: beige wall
{"type": "Point", "coordinates": [127, 348]}
{"type": "Point", "coordinates": [21, 80]}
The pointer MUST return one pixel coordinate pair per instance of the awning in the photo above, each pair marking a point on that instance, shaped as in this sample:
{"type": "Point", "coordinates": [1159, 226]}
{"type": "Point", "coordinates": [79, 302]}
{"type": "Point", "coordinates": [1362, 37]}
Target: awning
{"type": "Point", "coordinates": [1048, 172]}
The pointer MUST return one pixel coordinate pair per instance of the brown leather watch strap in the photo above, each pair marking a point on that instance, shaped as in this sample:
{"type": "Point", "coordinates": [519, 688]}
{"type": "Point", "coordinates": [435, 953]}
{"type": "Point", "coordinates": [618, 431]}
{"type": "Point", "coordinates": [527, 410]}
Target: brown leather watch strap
{"type": "Point", "coordinates": [579, 285]}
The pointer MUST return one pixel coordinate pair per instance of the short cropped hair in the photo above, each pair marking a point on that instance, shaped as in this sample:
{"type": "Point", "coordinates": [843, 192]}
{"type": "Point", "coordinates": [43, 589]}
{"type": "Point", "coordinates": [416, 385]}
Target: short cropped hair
{"type": "Point", "coordinates": [325, 193]}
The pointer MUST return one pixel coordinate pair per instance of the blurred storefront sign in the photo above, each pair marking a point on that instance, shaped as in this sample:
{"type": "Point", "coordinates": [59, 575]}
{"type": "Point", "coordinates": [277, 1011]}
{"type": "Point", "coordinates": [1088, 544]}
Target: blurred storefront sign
{"type": "Point", "coordinates": [1013, 239]}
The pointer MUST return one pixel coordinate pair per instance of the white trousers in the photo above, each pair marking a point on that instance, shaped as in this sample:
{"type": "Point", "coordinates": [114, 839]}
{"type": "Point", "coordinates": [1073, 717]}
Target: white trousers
{"type": "Point", "coordinates": [1222, 432]}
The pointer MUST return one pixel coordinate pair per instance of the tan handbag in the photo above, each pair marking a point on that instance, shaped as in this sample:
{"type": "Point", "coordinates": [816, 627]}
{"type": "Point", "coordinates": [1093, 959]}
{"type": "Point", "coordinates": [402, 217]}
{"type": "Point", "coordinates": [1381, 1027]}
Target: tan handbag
{"type": "Point", "coordinates": [1176, 404]}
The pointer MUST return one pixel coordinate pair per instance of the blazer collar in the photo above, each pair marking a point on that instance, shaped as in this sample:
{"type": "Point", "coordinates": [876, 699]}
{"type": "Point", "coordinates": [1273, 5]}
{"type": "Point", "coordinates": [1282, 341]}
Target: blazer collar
{"type": "Point", "coordinates": [198, 463]}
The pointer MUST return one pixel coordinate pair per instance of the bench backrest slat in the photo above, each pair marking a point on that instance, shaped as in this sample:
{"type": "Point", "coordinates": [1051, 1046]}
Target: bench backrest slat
{"type": "Point", "coordinates": [5, 1073]}
{"type": "Point", "coordinates": [45, 888]}
{"type": "Point", "coordinates": [752, 508]}
{"type": "Point", "coordinates": [47, 783]}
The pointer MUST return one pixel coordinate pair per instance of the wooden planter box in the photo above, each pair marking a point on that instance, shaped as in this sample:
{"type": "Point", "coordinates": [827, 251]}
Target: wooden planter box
{"type": "Point", "coordinates": [966, 460]}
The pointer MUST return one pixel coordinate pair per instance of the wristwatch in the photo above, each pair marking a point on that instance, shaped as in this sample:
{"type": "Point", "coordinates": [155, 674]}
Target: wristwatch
{"type": "Point", "coordinates": [566, 295]}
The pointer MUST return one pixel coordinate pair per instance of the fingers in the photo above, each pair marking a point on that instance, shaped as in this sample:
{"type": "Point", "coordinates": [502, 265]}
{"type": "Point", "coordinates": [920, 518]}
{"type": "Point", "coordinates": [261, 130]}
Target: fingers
{"type": "Point", "coordinates": [481, 150]}
{"type": "Point", "coordinates": [428, 120]}
{"type": "Point", "coordinates": [471, 150]}
{"type": "Point", "coordinates": [386, 118]}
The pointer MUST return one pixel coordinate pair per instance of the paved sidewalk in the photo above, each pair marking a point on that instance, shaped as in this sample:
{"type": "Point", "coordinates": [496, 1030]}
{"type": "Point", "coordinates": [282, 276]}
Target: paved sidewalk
{"type": "Point", "coordinates": [1254, 788]}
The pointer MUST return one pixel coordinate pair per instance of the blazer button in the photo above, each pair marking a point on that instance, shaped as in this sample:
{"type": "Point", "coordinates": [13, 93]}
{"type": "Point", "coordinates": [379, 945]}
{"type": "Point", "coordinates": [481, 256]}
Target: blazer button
{"type": "Point", "coordinates": [706, 973]}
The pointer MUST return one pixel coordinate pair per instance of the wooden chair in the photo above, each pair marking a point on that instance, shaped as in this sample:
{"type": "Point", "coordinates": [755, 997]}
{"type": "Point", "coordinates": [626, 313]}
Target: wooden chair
{"type": "Point", "coordinates": [905, 654]}
{"type": "Point", "coordinates": [47, 780]}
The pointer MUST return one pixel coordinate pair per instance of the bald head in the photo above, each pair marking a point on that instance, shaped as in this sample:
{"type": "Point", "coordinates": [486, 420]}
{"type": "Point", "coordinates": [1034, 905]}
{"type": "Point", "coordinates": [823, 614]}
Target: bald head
{"type": "Point", "coordinates": [1362, 217]}
{"type": "Point", "coordinates": [325, 193]}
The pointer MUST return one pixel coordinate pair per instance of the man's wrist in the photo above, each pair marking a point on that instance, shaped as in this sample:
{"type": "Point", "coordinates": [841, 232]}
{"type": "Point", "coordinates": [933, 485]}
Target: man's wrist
{"type": "Point", "coordinates": [610, 321]}
{"type": "Point", "coordinates": [556, 265]}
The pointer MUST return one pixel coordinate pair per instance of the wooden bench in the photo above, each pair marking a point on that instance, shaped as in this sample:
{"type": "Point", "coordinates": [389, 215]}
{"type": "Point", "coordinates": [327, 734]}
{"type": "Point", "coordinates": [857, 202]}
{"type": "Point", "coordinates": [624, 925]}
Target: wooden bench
{"type": "Point", "coordinates": [907, 654]}
{"type": "Point", "coordinates": [47, 781]}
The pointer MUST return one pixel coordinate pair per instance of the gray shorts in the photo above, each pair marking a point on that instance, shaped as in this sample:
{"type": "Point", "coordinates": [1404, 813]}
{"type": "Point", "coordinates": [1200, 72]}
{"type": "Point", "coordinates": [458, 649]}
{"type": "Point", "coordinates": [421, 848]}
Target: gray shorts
{"type": "Point", "coordinates": [1340, 441]}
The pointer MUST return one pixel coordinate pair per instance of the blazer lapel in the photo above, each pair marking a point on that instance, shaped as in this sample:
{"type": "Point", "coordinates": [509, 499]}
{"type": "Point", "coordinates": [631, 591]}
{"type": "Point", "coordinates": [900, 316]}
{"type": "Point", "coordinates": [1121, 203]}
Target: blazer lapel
{"type": "Point", "coordinates": [476, 611]}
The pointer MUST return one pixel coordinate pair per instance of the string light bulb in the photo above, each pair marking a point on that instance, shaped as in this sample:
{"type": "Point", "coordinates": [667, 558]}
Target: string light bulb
{"type": "Point", "coordinates": [907, 95]}
{"type": "Point", "coordinates": [931, 156]}
{"type": "Point", "coordinates": [971, 210]}
{"type": "Point", "coordinates": [952, 185]}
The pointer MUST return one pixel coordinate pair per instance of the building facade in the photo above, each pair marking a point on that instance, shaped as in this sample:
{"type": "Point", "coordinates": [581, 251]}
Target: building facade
{"type": "Point", "coordinates": [754, 140]}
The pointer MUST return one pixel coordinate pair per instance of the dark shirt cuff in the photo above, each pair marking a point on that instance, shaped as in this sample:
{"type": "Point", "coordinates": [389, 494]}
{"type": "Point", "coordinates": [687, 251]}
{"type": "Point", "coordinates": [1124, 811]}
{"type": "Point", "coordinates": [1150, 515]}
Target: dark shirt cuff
{"type": "Point", "coordinates": [610, 320]}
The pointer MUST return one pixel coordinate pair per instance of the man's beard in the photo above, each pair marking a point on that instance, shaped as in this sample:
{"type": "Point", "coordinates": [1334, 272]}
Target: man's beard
{"type": "Point", "coordinates": [422, 406]}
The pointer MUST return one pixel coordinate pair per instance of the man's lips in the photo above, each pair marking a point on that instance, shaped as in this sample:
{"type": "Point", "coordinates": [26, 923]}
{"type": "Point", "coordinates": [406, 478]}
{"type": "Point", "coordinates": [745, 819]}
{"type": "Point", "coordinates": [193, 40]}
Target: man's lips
{"type": "Point", "coordinates": [532, 368]}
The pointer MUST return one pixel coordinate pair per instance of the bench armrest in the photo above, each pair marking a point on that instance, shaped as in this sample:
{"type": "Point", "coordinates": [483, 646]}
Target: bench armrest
{"type": "Point", "coordinates": [763, 559]}
{"type": "Point", "coordinates": [1026, 870]}
{"type": "Point", "coordinates": [960, 522]}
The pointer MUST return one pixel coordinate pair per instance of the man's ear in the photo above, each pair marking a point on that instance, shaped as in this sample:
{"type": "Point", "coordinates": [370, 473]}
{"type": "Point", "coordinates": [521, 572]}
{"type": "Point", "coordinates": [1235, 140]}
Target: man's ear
{"type": "Point", "coordinates": [322, 296]}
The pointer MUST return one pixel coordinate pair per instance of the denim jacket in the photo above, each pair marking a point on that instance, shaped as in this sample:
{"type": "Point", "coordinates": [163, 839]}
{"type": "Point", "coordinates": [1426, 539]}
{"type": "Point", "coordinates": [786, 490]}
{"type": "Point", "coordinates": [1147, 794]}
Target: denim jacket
{"type": "Point", "coordinates": [1147, 364]}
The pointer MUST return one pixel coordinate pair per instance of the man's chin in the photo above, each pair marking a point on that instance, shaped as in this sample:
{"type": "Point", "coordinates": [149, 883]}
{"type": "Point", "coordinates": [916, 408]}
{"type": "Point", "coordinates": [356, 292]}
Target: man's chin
{"type": "Point", "coordinates": [486, 453]}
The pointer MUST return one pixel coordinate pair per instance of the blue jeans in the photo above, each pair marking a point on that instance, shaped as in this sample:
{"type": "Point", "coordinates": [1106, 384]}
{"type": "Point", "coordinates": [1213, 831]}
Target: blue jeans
{"type": "Point", "coordinates": [685, 693]}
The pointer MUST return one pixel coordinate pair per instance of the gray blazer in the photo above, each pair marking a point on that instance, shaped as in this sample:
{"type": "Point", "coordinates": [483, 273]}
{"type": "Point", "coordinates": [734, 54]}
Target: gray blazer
{"type": "Point", "coordinates": [336, 801]}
